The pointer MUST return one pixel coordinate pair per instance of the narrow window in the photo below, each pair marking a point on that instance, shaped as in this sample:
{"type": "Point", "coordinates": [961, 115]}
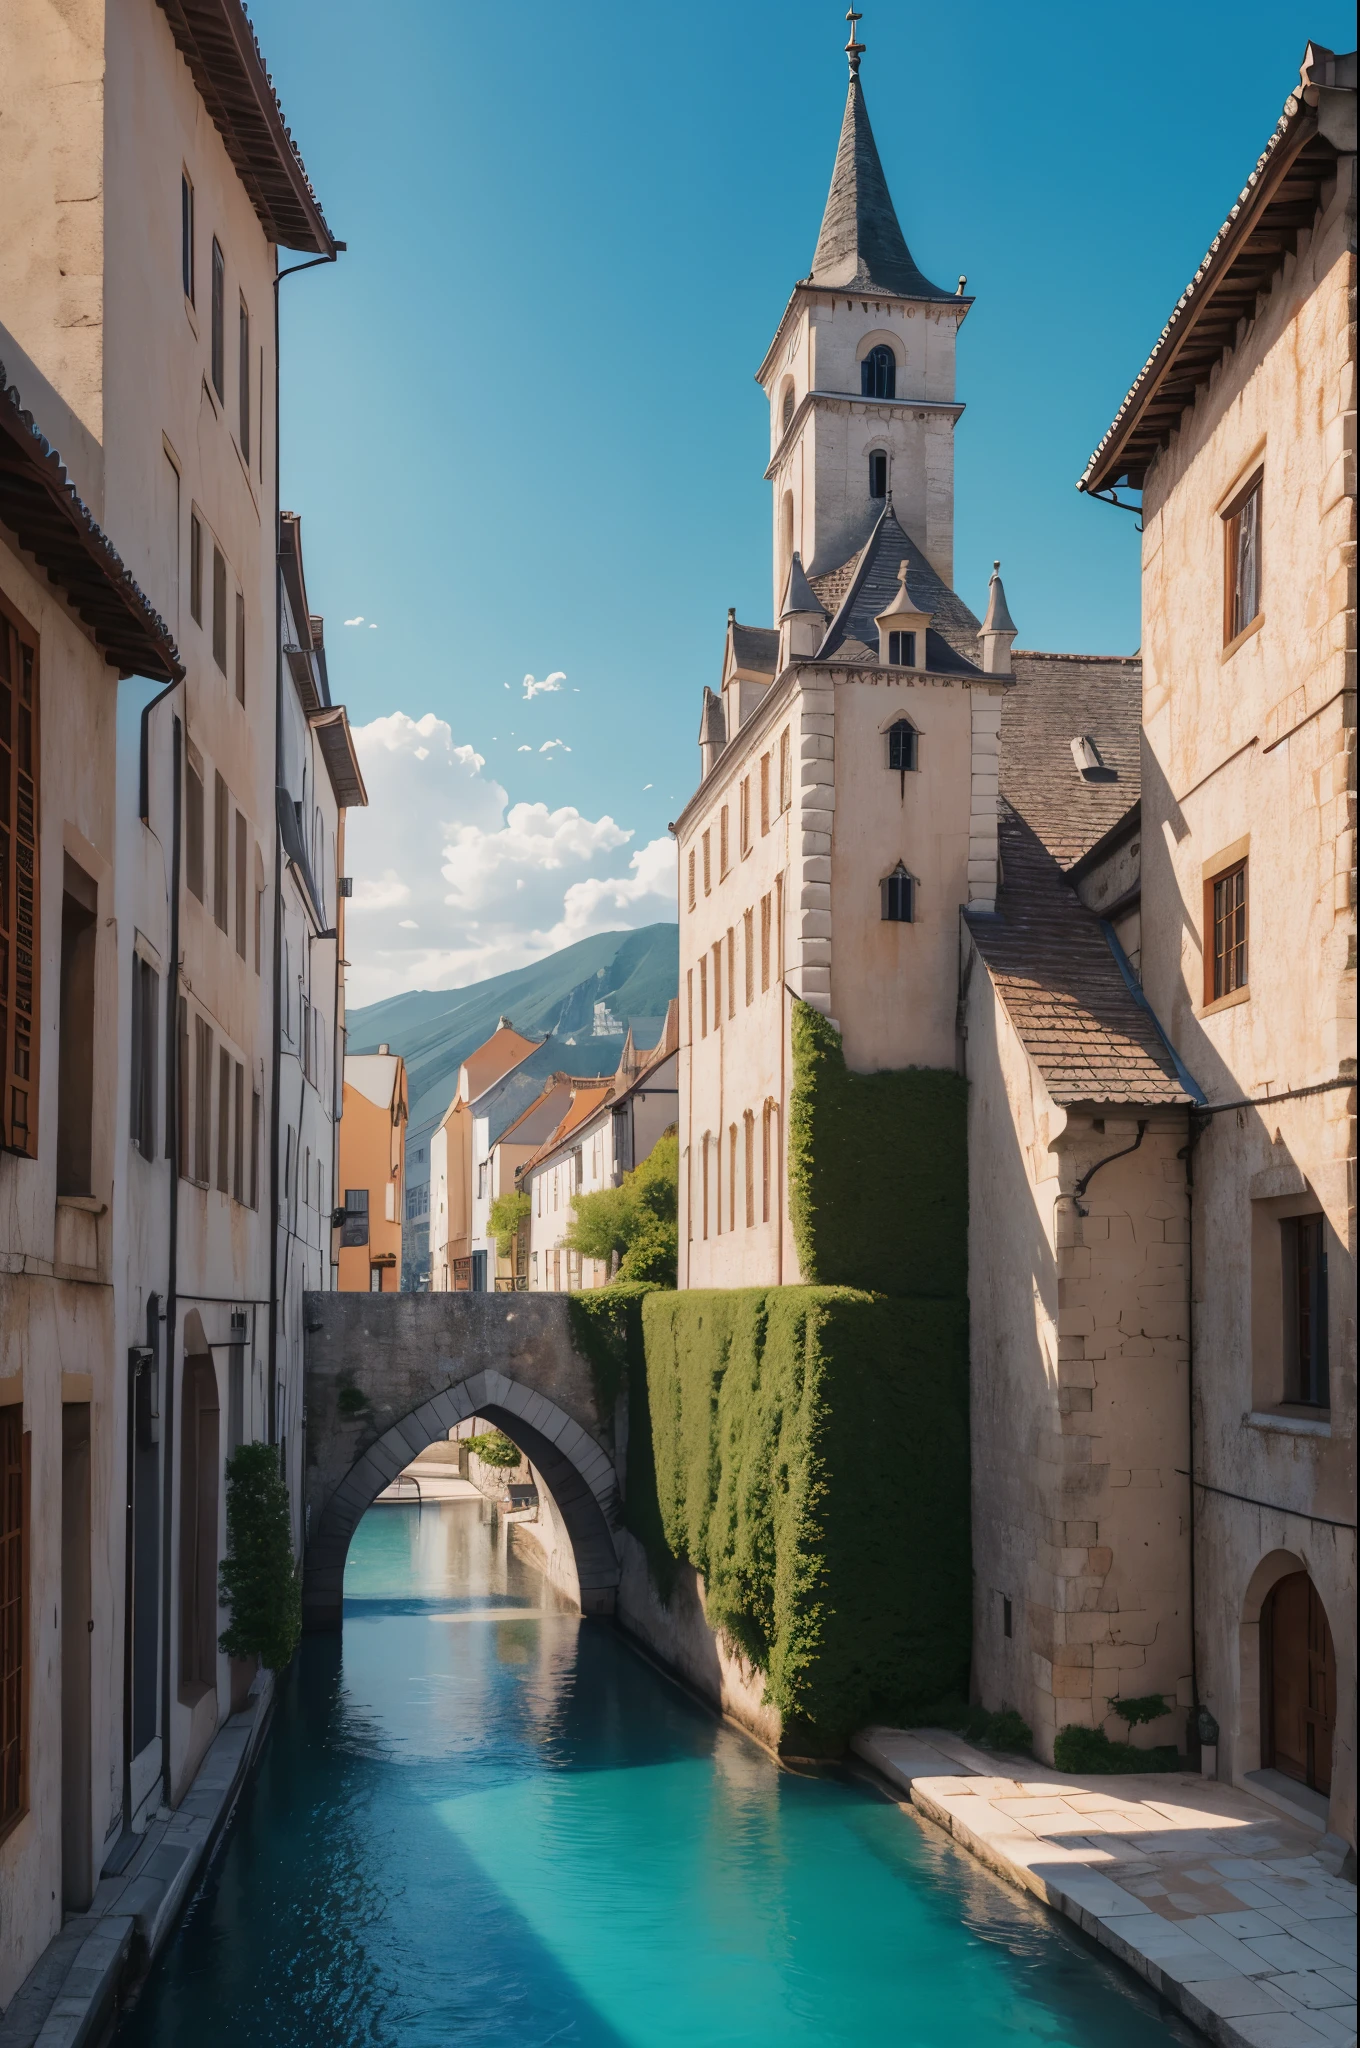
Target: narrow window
{"type": "Point", "coordinates": [181, 1096]}
{"type": "Point", "coordinates": [731, 972]}
{"type": "Point", "coordinates": [703, 995]}
{"type": "Point", "coordinates": [146, 985]}
{"type": "Point", "coordinates": [224, 1065]}
{"type": "Point", "coordinates": [238, 1132]}
{"type": "Point", "coordinates": [1005, 1616]}
{"type": "Point", "coordinates": [221, 820]}
{"type": "Point", "coordinates": [219, 610]}
{"type": "Point", "coordinates": [898, 892]}
{"type": "Point", "coordinates": [14, 1616]}
{"type": "Point", "coordinates": [749, 934]}
{"type": "Point", "coordinates": [242, 856]}
{"type": "Point", "coordinates": [199, 1460]}
{"type": "Point", "coordinates": [779, 928]}
{"type": "Point", "coordinates": [705, 1185]}
{"type": "Point", "coordinates": [219, 315]}
{"type": "Point", "coordinates": [878, 373]}
{"type": "Point", "coordinates": [1304, 1249]}
{"type": "Point", "coordinates": [901, 743]}
{"type": "Point", "coordinates": [764, 794]}
{"type": "Point", "coordinates": [259, 918]}
{"type": "Point", "coordinates": [20, 946]}
{"type": "Point", "coordinates": [732, 1177]}
{"type": "Point", "coordinates": [240, 648]}
{"type": "Point", "coordinates": [354, 1229]}
{"type": "Point", "coordinates": [254, 1148]}
{"type": "Point", "coordinates": [1242, 561]}
{"type": "Point", "coordinates": [745, 815]}
{"type": "Point", "coordinates": [785, 771]}
{"type": "Point", "coordinates": [243, 382]}
{"type": "Point", "coordinates": [749, 1129]}
{"type": "Point", "coordinates": [724, 847]}
{"type": "Point", "coordinates": [196, 568]}
{"type": "Point", "coordinates": [75, 1050]}
{"type": "Point", "coordinates": [186, 234]}
{"type": "Point", "coordinates": [717, 985]}
{"type": "Point", "coordinates": [690, 871]}
{"type": "Point", "coordinates": [203, 1081]}
{"type": "Point", "coordinates": [765, 1162]}
{"type": "Point", "coordinates": [1226, 916]}
{"type": "Point", "coordinates": [902, 650]}
{"type": "Point", "coordinates": [717, 1185]}
{"type": "Point", "coordinates": [786, 416]}
{"type": "Point", "coordinates": [765, 907]}
{"type": "Point", "coordinates": [708, 867]}
{"type": "Point", "coordinates": [193, 820]}
{"type": "Point", "coordinates": [878, 474]}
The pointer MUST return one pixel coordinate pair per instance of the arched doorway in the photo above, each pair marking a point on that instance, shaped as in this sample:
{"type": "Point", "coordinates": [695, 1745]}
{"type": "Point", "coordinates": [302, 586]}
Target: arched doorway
{"type": "Point", "coordinates": [1298, 1683]}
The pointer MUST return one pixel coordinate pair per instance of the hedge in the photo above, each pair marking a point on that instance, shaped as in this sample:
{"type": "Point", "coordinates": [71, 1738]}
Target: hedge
{"type": "Point", "coordinates": [878, 1170]}
{"type": "Point", "coordinates": [810, 1450]}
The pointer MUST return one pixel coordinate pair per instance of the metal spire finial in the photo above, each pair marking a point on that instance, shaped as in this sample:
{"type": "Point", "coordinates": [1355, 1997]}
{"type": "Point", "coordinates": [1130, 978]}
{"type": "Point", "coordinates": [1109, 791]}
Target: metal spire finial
{"type": "Point", "coordinates": [853, 50]}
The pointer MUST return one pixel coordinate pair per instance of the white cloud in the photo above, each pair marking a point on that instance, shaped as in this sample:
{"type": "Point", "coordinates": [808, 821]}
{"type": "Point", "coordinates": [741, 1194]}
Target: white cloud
{"type": "Point", "coordinates": [488, 884]}
{"type": "Point", "coordinates": [548, 746]}
{"type": "Point", "coordinates": [524, 750]}
{"type": "Point", "coordinates": [373, 625]}
{"type": "Point", "coordinates": [355, 622]}
{"type": "Point", "coordinates": [552, 682]}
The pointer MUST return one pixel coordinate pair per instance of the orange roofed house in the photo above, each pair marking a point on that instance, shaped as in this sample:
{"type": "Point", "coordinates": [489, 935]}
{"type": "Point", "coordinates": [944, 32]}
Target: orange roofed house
{"type": "Point", "coordinates": [372, 1170]}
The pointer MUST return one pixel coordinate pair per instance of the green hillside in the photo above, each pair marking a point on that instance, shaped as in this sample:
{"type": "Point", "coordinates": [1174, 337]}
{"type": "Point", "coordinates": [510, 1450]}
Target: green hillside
{"type": "Point", "coordinates": [635, 973]}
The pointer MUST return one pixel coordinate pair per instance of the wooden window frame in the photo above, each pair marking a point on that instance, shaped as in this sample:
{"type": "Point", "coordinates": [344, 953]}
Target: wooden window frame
{"type": "Point", "coordinates": [785, 771]}
{"type": "Point", "coordinates": [186, 235]}
{"type": "Point", "coordinates": [766, 926]}
{"type": "Point", "coordinates": [1215, 996]}
{"type": "Point", "coordinates": [707, 849]}
{"type": "Point", "coordinates": [195, 568]}
{"type": "Point", "coordinates": [744, 815]}
{"type": "Point", "coordinates": [748, 1122]}
{"type": "Point", "coordinates": [749, 938]}
{"type": "Point", "coordinates": [219, 608]}
{"type": "Point", "coordinates": [731, 972]}
{"type": "Point", "coordinates": [703, 995]}
{"type": "Point", "coordinates": [764, 794]}
{"type": "Point", "coordinates": [243, 379]}
{"type": "Point", "coordinates": [1236, 630]}
{"type": "Point", "coordinates": [692, 899]}
{"type": "Point", "coordinates": [20, 883]}
{"type": "Point", "coordinates": [217, 342]}
{"type": "Point", "coordinates": [240, 647]}
{"type": "Point", "coordinates": [222, 811]}
{"type": "Point", "coordinates": [724, 842]}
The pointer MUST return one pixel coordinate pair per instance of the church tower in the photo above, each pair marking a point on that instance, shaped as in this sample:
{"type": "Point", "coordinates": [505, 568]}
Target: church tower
{"type": "Point", "coordinates": [860, 378]}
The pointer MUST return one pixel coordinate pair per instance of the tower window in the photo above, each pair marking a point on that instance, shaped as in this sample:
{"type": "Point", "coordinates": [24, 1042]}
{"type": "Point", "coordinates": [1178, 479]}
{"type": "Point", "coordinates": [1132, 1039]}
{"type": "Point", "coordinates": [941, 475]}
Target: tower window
{"type": "Point", "coordinates": [878, 373]}
{"type": "Point", "coordinates": [878, 474]}
{"type": "Point", "coordinates": [788, 409]}
{"type": "Point", "coordinates": [898, 892]}
{"type": "Point", "coordinates": [902, 740]}
{"type": "Point", "coordinates": [902, 650]}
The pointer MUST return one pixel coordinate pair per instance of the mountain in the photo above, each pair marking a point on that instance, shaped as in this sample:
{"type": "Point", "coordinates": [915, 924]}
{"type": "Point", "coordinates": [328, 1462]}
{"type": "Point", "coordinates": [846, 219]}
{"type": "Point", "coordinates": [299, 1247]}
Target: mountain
{"type": "Point", "coordinates": [635, 974]}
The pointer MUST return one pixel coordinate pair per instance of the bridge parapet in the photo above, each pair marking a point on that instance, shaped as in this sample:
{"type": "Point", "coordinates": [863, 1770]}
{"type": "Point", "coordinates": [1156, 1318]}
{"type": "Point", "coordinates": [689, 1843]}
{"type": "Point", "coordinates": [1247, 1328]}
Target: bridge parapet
{"type": "Point", "coordinates": [387, 1374]}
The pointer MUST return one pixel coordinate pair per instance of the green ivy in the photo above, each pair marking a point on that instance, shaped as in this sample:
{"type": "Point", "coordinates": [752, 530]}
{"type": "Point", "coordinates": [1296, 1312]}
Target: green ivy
{"type": "Point", "coordinates": [494, 1448]}
{"type": "Point", "coordinates": [878, 1170]}
{"type": "Point", "coordinates": [810, 1451]}
{"type": "Point", "coordinates": [1091, 1750]}
{"type": "Point", "coordinates": [260, 1579]}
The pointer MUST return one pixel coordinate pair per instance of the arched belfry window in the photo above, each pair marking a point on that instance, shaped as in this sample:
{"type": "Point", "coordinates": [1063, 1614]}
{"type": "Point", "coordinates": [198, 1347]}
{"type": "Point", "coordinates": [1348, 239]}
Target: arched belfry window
{"type": "Point", "coordinates": [878, 373]}
{"type": "Point", "coordinates": [788, 410]}
{"type": "Point", "coordinates": [902, 741]}
{"type": "Point", "coordinates": [898, 893]}
{"type": "Point", "coordinates": [878, 474]}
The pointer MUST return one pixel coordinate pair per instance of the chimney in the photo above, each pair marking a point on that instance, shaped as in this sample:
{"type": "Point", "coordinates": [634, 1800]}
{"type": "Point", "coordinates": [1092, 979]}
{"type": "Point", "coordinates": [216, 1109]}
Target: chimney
{"type": "Point", "coordinates": [997, 631]}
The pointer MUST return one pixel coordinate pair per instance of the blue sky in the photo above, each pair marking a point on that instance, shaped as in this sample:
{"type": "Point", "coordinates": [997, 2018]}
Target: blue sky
{"type": "Point", "coordinates": [520, 420]}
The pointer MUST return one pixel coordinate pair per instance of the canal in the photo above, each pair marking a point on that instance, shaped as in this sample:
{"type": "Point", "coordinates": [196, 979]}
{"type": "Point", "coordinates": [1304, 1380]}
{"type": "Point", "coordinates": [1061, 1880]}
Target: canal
{"type": "Point", "coordinates": [480, 1820]}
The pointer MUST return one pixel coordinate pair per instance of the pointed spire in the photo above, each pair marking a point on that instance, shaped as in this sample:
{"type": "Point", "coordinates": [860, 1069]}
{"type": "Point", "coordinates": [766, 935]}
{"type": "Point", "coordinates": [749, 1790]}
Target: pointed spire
{"type": "Point", "coordinates": [998, 619]}
{"type": "Point", "coordinates": [861, 246]}
{"type": "Point", "coordinates": [800, 599]}
{"type": "Point", "coordinates": [998, 630]}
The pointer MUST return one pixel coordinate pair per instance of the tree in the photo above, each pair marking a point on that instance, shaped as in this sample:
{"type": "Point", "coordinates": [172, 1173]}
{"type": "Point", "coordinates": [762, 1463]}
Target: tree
{"type": "Point", "coordinates": [260, 1580]}
{"type": "Point", "coordinates": [507, 1214]}
{"type": "Point", "coordinates": [637, 1221]}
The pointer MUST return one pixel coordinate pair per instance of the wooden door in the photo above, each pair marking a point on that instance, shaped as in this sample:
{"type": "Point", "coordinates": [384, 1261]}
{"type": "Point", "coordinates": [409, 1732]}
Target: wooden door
{"type": "Point", "coordinates": [1298, 1683]}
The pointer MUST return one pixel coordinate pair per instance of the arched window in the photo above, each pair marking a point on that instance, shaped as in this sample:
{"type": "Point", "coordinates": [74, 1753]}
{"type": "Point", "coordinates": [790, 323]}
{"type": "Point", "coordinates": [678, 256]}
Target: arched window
{"type": "Point", "coordinates": [878, 373]}
{"type": "Point", "coordinates": [902, 739]}
{"type": "Point", "coordinates": [788, 409]}
{"type": "Point", "coordinates": [878, 474]}
{"type": "Point", "coordinates": [898, 892]}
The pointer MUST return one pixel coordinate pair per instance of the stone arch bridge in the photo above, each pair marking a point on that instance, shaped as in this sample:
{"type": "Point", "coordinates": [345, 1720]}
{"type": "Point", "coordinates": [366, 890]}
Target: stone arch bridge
{"type": "Point", "coordinates": [388, 1374]}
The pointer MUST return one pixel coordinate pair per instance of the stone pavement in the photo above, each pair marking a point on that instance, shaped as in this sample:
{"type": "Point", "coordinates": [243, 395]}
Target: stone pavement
{"type": "Point", "coordinates": [1230, 1909]}
{"type": "Point", "coordinates": [69, 1995]}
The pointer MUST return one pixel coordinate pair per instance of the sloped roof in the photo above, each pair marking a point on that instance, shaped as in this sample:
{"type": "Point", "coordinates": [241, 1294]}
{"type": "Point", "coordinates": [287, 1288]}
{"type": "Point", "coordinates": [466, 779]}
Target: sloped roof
{"type": "Point", "coordinates": [1086, 1026]}
{"type": "Point", "coordinates": [41, 507]}
{"type": "Point", "coordinates": [871, 586]}
{"type": "Point", "coordinates": [495, 1056]}
{"type": "Point", "coordinates": [1058, 698]}
{"type": "Point", "coordinates": [755, 648]}
{"type": "Point", "coordinates": [861, 246]}
{"type": "Point", "coordinates": [588, 1094]}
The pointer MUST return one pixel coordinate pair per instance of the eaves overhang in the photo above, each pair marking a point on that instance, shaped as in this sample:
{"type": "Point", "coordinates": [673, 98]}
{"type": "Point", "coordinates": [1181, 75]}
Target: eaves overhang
{"type": "Point", "coordinates": [219, 46]}
{"type": "Point", "coordinates": [41, 508]}
{"type": "Point", "coordinates": [335, 737]}
{"type": "Point", "coordinates": [1279, 201]}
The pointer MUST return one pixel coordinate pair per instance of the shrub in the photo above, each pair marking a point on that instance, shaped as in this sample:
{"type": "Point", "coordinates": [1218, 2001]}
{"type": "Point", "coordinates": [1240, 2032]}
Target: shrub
{"type": "Point", "coordinates": [637, 1221]}
{"type": "Point", "coordinates": [506, 1215]}
{"type": "Point", "coordinates": [494, 1448]}
{"type": "Point", "coordinates": [1091, 1750]}
{"type": "Point", "coordinates": [259, 1577]}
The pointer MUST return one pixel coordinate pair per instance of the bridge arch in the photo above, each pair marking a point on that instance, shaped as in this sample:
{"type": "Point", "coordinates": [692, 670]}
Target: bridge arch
{"type": "Point", "coordinates": [388, 1375]}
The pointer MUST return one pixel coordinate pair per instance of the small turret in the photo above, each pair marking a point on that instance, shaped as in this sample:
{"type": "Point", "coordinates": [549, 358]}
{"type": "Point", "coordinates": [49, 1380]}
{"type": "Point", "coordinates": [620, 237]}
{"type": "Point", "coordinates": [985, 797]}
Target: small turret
{"type": "Point", "coordinates": [802, 621]}
{"type": "Point", "coordinates": [902, 629]}
{"type": "Point", "coordinates": [998, 630]}
{"type": "Point", "coordinates": [712, 733]}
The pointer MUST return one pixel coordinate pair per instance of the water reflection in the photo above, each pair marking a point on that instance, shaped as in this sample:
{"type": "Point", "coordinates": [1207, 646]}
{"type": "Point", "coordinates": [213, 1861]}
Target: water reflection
{"type": "Point", "coordinates": [481, 1820]}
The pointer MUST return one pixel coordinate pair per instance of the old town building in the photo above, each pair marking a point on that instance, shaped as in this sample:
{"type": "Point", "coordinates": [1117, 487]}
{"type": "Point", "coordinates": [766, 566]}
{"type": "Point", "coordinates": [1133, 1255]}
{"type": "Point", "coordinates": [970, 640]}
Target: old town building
{"type": "Point", "coordinates": [372, 1171]}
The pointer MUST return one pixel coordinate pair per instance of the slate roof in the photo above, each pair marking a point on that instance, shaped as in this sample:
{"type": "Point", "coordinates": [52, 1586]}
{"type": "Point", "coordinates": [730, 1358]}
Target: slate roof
{"type": "Point", "coordinates": [1058, 698]}
{"type": "Point", "coordinates": [1087, 1028]}
{"type": "Point", "coordinates": [871, 586]}
{"type": "Point", "coordinates": [861, 246]}
{"type": "Point", "coordinates": [755, 648]}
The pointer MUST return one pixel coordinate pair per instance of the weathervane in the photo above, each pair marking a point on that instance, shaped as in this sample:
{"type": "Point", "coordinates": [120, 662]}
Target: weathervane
{"type": "Point", "coordinates": [853, 50]}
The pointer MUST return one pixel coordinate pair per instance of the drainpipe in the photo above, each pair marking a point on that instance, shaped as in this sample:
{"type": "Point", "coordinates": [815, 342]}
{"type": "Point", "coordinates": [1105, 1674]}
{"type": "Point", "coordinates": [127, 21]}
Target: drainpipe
{"type": "Point", "coordinates": [174, 1143]}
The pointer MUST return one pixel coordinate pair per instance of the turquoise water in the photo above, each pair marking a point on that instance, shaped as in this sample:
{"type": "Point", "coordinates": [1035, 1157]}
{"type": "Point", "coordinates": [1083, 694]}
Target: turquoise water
{"type": "Point", "coordinates": [479, 1820]}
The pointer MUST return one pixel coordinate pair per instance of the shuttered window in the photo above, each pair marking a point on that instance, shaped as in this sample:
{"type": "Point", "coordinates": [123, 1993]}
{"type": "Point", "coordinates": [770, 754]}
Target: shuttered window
{"type": "Point", "coordinates": [19, 908]}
